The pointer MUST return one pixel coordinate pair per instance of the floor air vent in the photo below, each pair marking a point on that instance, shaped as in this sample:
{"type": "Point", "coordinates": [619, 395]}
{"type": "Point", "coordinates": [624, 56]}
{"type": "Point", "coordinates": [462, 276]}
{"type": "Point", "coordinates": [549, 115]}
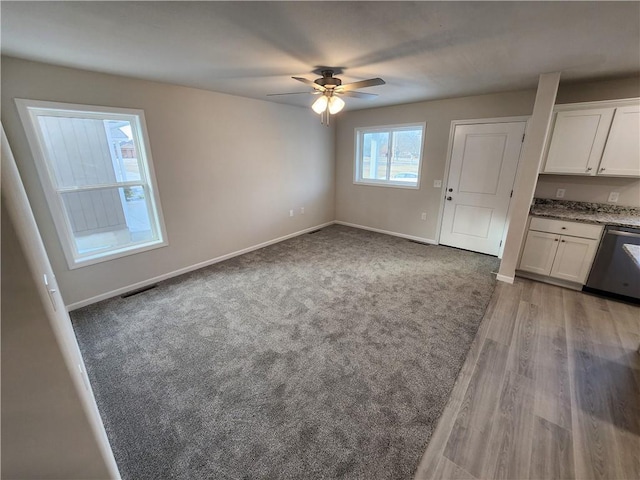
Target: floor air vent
{"type": "Point", "coordinates": [139, 290]}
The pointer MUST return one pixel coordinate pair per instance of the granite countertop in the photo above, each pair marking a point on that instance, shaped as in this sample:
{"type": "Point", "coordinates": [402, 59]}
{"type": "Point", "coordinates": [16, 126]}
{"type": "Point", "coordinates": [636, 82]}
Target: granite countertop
{"type": "Point", "coordinates": [598, 213]}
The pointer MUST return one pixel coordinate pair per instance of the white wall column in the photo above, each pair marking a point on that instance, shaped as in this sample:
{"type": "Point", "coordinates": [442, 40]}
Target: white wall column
{"type": "Point", "coordinates": [51, 427]}
{"type": "Point", "coordinates": [532, 152]}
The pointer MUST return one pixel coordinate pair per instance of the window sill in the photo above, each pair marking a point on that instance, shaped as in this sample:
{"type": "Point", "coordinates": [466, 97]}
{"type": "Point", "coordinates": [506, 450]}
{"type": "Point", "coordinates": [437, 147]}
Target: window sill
{"type": "Point", "coordinates": [388, 184]}
{"type": "Point", "coordinates": [122, 252]}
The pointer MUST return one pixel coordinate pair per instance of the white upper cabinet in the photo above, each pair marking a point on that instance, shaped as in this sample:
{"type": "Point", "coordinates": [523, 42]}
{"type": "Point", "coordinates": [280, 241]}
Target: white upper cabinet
{"type": "Point", "coordinates": [621, 156]}
{"type": "Point", "coordinates": [578, 140]}
{"type": "Point", "coordinates": [598, 138]}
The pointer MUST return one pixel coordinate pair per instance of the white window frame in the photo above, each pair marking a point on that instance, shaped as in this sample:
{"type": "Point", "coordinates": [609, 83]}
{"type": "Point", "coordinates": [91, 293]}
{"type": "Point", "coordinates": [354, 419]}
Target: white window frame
{"type": "Point", "coordinates": [28, 111]}
{"type": "Point", "coordinates": [357, 167]}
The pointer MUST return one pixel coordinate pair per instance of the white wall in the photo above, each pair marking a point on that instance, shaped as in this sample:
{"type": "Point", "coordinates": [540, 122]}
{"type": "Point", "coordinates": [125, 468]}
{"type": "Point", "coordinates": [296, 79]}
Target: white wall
{"type": "Point", "coordinates": [228, 169]}
{"type": "Point", "coordinates": [399, 210]}
{"type": "Point", "coordinates": [45, 433]}
{"type": "Point", "coordinates": [590, 189]}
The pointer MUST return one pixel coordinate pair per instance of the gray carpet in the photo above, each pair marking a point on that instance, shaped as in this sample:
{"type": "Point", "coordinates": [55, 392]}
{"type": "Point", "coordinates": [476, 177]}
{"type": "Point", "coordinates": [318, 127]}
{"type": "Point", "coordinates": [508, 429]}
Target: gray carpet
{"type": "Point", "coordinates": [329, 355]}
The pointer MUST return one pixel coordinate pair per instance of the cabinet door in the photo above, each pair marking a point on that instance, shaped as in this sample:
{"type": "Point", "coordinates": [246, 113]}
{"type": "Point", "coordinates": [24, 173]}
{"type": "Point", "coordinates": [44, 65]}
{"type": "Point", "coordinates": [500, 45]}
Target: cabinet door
{"type": "Point", "coordinates": [574, 258]}
{"type": "Point", "coordinates": [578, 140]}
{"type": "Point", "coordinates": [622, 153]}
{"type": "Point", "coordinates": [539, 251]}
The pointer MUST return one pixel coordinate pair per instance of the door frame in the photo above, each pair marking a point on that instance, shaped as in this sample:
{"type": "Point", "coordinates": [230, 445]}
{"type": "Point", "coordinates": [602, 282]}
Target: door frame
{"type": "Point", "coordinates": [447, 166]}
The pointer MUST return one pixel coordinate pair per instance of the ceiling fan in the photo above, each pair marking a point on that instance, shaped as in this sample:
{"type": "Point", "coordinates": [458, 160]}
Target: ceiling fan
{"type": "Point", "coordinates": [331, 89]}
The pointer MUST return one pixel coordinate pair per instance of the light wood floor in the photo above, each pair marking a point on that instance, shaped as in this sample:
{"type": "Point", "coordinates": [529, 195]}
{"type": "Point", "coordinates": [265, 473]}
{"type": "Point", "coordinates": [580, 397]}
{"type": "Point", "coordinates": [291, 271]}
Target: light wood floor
{"type": "Point", "coordinates": [550, 389]}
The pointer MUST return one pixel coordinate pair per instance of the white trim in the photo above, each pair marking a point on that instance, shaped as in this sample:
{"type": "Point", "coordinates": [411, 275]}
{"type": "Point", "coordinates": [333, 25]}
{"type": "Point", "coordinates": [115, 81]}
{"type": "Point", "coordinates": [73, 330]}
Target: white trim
{"type": "Point", "coordinates": [550, 280]}
{"type": "Point", "coordinates": [513, 188]}
{"type": "Point", "coordinates": [390, 128]}
{"type": "Point", "coordinates": [385, 183]}
{"type": "Point", "coordinates": [78, 108]}
{"type": "Point", "coordinates": [60, 218]}
{"type": "Point", "coordinates": [387, 232]}
{"type": "Point", "coordinates": [19, 210]}
{"type": "Point", "coordinates": [445, 177]}
{"type": "Point", "coordinates": [622, 102]}
{"type": "Point", "coordinates": [190, 268]}
{"type": "Point", "coordinates": [473, 121]}
{"type": "Point", "coordinates": [504, 278]}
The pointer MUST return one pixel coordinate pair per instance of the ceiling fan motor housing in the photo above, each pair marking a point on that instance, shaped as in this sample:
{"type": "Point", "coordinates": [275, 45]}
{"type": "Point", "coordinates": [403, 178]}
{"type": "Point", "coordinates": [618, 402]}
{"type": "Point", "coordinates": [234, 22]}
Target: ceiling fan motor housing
{"type": "Point", "coordinates": [328, 80]}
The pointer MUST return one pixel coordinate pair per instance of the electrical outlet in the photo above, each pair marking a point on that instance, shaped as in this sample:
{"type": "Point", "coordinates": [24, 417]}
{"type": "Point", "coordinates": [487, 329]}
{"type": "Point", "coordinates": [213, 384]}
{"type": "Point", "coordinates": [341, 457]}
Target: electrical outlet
{"type": "Point", "coordinates": [291, 213]}
{"type": "Point", "coordinates": [613, 197]}
{"type": "Point", "coordinates": [437, 184]}
{"type": "Point", "coordinates": [423, 216]}
{"type": "Point", "coordinates": [301, 210]}
{"type": "Point", "coordinates": [560, 193]}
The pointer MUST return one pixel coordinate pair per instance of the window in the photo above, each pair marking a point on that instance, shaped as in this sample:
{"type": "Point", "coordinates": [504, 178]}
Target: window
{"type": "Point", "coordinates": [389, 156]}
{"type": "Point", "coordinates": [95, 168]}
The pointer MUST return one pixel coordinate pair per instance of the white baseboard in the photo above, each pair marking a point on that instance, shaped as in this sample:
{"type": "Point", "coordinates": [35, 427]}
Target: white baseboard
{"type": "Point", "coordinates": [553, 281]}
{"type": "Point", "coordinates": [180, 271]}
{"type": "Point", "coordinates": [504, 278]}
{"type": "Point", "coordinates": [387, 232]}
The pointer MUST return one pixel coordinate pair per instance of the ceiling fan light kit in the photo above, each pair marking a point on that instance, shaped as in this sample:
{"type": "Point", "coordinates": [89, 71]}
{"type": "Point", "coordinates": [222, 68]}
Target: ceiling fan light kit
{"type": "Point", "coordinates": [320, 105]}
{"type": "Point", "coordinates": [335, 105]}
{"type": "Point", "coordinates": [329, 87]}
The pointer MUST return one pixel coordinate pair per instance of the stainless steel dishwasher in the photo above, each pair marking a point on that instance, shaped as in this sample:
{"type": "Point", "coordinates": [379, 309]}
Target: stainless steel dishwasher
{"type": "Point", "coordinates": [613, 270]}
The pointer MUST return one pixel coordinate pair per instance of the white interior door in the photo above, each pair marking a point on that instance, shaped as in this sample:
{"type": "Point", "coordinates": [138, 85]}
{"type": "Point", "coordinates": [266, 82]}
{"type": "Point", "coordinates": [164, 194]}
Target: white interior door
{"type": "Point", "coordinates": [483, 166]}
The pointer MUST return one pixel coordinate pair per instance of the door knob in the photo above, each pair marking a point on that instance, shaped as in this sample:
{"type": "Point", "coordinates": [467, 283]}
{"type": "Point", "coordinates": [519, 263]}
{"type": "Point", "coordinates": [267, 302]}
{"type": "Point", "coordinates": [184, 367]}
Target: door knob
{"type": "Point", "coordinates": [451, 189]}
{"type": "Point", "coordinates": [449, 198]}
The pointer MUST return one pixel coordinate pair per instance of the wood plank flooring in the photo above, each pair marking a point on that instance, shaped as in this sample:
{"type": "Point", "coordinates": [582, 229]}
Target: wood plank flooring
{"type": "Point", "coordinates": [550, 389]}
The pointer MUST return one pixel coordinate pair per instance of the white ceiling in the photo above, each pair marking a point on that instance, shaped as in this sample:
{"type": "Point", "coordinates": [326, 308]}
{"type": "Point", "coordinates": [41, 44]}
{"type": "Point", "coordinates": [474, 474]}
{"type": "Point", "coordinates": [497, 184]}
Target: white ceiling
{"type": "Point", "coordinates": [424, 50]}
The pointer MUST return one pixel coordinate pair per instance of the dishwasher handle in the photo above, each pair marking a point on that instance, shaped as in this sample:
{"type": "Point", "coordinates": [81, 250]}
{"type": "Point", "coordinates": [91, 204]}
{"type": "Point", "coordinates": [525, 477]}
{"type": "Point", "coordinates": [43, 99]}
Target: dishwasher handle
{"type": "Point", "coordinates": [623, 234]}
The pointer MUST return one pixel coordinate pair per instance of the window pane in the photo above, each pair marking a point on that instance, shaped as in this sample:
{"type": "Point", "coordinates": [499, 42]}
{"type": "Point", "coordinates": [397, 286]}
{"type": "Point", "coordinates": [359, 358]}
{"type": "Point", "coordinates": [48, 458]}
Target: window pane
{"type": "Point", "coordinates": [77, 150]}
{"type": "Point", "coordinates": [123, 150]}
{"type": "Point", "coordinates": [88, 151]}
{"type": "Point", "coordinates": [375, 149]}
{"type": "Point", "coordinates": [108, 218]}
{"type": "Point", "coordinates": [405, 160]}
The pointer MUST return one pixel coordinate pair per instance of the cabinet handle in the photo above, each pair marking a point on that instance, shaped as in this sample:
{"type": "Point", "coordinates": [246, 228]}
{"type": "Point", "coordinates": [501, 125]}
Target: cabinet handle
{"type": "Point", "coordinates": [564, 228]}
{"type": "Point", "coordinates": [589, 169]}
{"type": "Point", "coordinates": [602, 169]}
{"type": "Point", "coordinates": [555, 239]}
{"type": "Point", "coordinates": [562, 241]}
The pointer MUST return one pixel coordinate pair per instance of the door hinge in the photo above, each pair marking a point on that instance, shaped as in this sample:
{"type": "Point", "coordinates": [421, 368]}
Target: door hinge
{"type": "Point", "coordinates": [511, 194]}
{"type": "Point", "coordinates": [500, 243]}
{"type": "Point", "coordinates": [523, 136]}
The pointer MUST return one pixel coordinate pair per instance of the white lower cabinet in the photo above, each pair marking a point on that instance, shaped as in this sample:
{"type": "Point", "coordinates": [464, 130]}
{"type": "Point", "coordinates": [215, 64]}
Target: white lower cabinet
{"type": "Point", "coordinates": [560, 256]}
{"type": "Point", "coordinates": [573, 259]}
{"type": "Point", "coordinates": [539, 252]}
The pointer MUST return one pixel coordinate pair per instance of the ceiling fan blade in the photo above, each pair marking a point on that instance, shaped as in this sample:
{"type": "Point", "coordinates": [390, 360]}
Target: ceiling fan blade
{"type": "Point", "coordinates": [372, 82]}
{"type": "Point", "coordinates": [356, 94]}
{"type": "Point", "coordinates": [290, 93]}
{"type": "Point", "coordinates": [310, 83]}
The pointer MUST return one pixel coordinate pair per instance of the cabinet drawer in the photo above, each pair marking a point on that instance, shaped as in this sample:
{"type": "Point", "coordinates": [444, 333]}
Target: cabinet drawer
{"type": "Point", "coordinates": [564, 227]}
